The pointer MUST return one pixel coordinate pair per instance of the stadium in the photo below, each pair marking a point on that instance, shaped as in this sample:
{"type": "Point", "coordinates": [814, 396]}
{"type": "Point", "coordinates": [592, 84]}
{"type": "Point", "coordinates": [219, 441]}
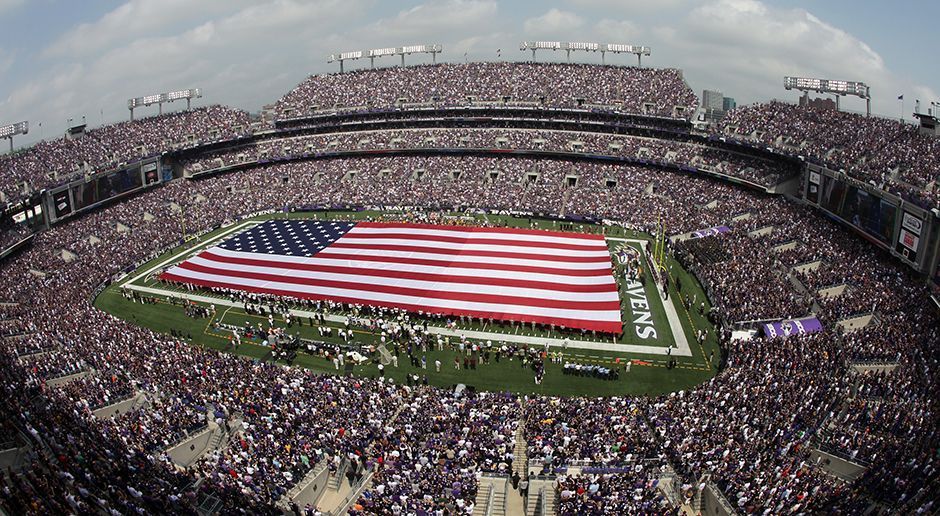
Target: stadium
{"type": "Point", "coordinates": [477, 288]}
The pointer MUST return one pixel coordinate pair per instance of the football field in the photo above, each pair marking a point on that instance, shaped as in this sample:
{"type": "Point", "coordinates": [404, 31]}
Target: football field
{"type": "Point", "coordinates": [655, 330]}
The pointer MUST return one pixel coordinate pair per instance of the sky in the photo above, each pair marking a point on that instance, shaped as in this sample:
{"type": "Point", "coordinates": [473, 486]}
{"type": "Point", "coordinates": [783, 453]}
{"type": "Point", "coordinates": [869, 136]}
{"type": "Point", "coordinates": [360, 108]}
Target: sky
{"type": "Point", "coordinates": [62, 59]}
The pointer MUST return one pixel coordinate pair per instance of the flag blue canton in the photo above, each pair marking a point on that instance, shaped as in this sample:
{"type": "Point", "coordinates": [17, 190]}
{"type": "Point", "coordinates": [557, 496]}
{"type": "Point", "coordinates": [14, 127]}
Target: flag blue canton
{"type": "Point", "coordinates": [288, 237]}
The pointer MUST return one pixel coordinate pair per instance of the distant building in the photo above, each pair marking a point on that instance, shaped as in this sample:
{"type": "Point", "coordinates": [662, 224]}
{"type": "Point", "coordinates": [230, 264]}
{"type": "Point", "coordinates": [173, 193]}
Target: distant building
{"type": "Point", "coordinates": [716, 105]}
{"type": "Point", "coordinates": [713, 100]}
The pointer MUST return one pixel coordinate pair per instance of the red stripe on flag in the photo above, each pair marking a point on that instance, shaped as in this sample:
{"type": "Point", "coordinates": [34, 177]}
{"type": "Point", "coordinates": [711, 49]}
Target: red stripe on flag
{"type": "Point", "coordinates": [479, 229]}
{"type": "Point", "coordinates": [409, 291]}
{"type": "Point", "coordinates": [419, 276]}
{"type": "Point", "coordinates": [339, 244]}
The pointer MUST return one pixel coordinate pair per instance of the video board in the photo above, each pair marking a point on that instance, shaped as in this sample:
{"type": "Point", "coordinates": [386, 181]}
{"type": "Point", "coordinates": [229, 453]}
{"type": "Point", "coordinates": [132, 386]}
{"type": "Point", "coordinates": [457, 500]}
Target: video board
{"type": "Point", "coordinates": [870, 213]}
{"type": "Point", "coordinates": [876, 214]}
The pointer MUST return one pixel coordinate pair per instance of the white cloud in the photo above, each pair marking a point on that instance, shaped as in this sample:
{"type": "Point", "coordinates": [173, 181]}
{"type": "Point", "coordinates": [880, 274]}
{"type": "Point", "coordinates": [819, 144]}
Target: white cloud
{"type": "Point", "coordinates": [746, 47]}
{"type": "Point", "coordinates": [9, 5]}
{"type": "Point", "coordinates": [248, 53]}
{"type": "Point", "coordinates": [618, 31]}
{"type": "Point", "coordinates": [471, 26]}
{"type": "Point", "coordinates": [629, 6]}
{"type": "Point", "coordinates": [136, 19]}
{"type": "Point", "coordinates": [435, 18]}
{"type": "Point", "coordinates": [245, 57]}
{"type": "Point", "coordinates": [553, 23]}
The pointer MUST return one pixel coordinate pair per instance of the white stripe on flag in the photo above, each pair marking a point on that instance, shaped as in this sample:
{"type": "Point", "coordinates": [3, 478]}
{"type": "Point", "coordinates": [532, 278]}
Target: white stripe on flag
{"type": "Point", "coordinates": [366, 296]}
{"type": "Point", "coordinates": [519, 275]}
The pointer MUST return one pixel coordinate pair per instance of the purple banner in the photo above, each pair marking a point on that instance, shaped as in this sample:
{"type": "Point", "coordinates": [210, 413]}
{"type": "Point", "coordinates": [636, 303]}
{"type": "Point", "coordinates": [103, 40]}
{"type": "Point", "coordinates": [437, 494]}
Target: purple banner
{"type": "Point", "coordinates": [792, 327]}
{"type": "Point", "coordinates": [717, 230]}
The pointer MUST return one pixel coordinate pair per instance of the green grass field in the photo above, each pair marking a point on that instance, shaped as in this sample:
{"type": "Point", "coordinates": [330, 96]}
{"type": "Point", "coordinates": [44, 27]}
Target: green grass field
{"type": "Point", "coordinates": [647, 373]}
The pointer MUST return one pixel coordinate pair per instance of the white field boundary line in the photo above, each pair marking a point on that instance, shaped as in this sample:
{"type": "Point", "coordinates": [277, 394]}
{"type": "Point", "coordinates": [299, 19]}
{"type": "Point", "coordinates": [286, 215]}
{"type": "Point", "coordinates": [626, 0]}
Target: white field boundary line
{"type": "Point", "coordinates": [188, 250]}
{"type": "Point", "coordinates": [675, 324]}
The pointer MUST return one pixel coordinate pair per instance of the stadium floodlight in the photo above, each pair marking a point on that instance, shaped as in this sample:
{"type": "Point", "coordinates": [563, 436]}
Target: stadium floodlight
{"type": "Point", "coordinates": [420, 49]}
{"type": "Point", "coordinates": [384, 52]}
{"type": "Point", "coordinates": [603, 48]}
{"type": "Point", "coordinates": [539, 45]}
{"type": "Point", "coordinates": [161, 98]}
{"type": "Point", "coordinates": [192, 93]}
{"type": "Point", "coordinates": [839, 88]}
{"type": "Point", "coordinates": [568, 46]}
{"type": "Point", "coordinates": [619, 48]}
{"type": "Point", "coordinates": [11, 130]}
{"type": "Point", "coordinates": [345, 56]}
{"type": "Point", "coordinates": [8, 131]}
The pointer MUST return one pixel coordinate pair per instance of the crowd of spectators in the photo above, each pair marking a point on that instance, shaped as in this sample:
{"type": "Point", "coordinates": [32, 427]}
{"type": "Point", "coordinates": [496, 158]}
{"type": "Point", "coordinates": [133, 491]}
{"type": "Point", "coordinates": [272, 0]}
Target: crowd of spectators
{"type": "Point", "coordinates": [884, 152]}
{"type": "Point", "coordinates": [11, 232]}
{"type": "Point", "coordinates": [755, 450]}
{"type": "Point", "coordinates": [53, 162]}
{"type": "Point", "coordinates": [636, 90]}
{"type": "Point", "coordinates": [608, 432]}
{"type": "Point", "coordinates": [99, 390]}
{"type": "Point", "coordinates": [751, 427]}
{"type": "Point", "coordinates": [625, 492]}
{"type": "Point", "coordinates": [432, 453]}
{"type": "Point", "coordinates": [675, 153]}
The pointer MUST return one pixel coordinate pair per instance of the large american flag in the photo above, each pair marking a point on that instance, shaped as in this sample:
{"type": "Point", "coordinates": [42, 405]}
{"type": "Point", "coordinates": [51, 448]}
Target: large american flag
{"type": "Point", "coordinates": [506, 274]}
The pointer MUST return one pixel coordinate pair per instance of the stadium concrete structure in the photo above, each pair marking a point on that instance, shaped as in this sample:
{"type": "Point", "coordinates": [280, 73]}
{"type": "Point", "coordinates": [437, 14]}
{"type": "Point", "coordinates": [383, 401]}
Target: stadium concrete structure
{"type": "Point", "coordinates": [814, 232]}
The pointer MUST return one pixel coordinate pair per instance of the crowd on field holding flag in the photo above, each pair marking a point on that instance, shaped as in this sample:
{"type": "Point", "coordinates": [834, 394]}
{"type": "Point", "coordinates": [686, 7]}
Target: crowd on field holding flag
{"type": "Point", "coordinates": [751, 428]}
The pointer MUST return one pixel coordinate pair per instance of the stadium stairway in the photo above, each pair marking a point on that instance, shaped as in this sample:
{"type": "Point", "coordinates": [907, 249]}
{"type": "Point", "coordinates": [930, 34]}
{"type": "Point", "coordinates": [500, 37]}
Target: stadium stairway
{"type": "Point", "coordinates": [520, 451]}
{"type": "Point", "coordinates": [300, 494]}
{"type": "Point", "coordinates": [336, 481]}
{"type": "Point", "coordinates": [337, 502]}
{"type": "Point", "coordinates": [491, 496]}
{"type": "Point", "coordinates": [535, 498]}
{"type": "Point", "coordinates": [564, 202]}
{"type": "Point", "coordinates": [514, 504]}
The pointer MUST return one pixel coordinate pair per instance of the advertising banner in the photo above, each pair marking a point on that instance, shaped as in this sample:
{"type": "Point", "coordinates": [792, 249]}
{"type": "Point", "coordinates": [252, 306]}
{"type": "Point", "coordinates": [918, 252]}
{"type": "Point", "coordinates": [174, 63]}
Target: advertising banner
{"type": "Point", "coordinates": [909, 236]}
{"type": "Point", "coordinates": [717, 230]}
{"type": "Point", "coordinates": [151, 175]}
{"type": "Point", "coordinates": [812, 190]}
{"type": "Point", "coordinates": [792, 327]}
{"type": "Point", "coordinates": [62, 203]}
